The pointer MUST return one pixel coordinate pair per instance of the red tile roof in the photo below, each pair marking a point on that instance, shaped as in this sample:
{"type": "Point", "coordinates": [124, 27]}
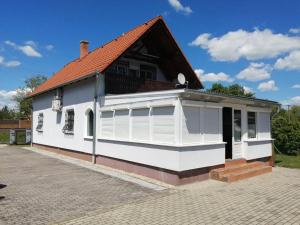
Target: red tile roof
{"type": "Point", "coordinates": [98, 60]}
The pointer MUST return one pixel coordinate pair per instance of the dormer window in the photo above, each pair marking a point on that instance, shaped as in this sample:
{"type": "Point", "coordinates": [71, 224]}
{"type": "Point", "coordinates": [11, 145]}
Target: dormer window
{"type": "Point", "coordinates": [148, 72]}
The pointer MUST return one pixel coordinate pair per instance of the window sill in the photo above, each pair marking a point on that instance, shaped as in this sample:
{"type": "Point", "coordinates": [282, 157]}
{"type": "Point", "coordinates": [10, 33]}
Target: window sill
{"type": "Point", "coordinates": [68, 132]}
{"type": "Point", "coordinates": [88, 137]}
{"type": "Point", "coordinates": [40, 131]}
{"type": "Point", "coordinates": [259, 140]}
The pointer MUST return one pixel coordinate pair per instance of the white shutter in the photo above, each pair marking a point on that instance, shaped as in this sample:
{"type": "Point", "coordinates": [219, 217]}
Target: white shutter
{"type": "Point", "coordinates": [122, 124]}
{"type": "Point", "coordinates": [191, 132]}
{"type": "Point", "coordinates": [264, 126]}
{"type": "Point", "coordinates": [211, 125]}
{"type": "Point", "coordinates": [163, 124]}
{"type": "Point", "coordinates": [140, 124]}
{"type": "Point", "coordinates": [106, 121]}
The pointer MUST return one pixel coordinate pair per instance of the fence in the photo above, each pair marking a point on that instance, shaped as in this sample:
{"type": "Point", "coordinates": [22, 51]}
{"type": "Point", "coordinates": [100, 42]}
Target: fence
{"type": "Point", "coordinates": [15, 132]}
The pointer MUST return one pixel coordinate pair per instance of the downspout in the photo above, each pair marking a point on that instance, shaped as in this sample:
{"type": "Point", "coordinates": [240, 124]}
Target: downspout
{"type": "Point", "coordinates": [31, 138]}
{"type": "Point", "coordinates": [95, 117]}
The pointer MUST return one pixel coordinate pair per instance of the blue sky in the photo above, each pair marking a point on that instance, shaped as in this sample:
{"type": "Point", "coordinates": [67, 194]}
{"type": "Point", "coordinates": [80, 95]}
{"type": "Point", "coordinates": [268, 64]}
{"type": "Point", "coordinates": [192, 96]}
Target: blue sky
{"type": "Point", "coordinates": [253, 43]}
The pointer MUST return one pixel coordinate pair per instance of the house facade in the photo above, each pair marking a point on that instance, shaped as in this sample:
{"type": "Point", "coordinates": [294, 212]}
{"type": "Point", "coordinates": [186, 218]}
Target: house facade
{"type": "Point", "coordinates": [121, 106]}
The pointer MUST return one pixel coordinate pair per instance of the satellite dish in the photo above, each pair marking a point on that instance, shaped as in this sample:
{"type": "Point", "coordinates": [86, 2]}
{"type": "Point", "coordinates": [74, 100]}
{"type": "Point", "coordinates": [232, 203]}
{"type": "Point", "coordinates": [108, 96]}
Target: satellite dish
{"type": "Point", "coordinates": [181, 78]}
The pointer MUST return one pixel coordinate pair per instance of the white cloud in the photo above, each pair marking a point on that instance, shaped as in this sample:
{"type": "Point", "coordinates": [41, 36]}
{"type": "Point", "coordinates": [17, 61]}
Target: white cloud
{"type": "Point", "coordinates": [12, 63]}
{"type": "Point", "coordinates": [290, 62]}
{"type": "Point", "coordinates": [31, 43]}
{"type": "Point", "coordinates": [267, 86]}
{"type": "Point", "coordinates": [28, 49]}
{"type": "Point", "coordinates": [213, 77]}
{"type": "Point", "coordinates": [255, 72]}
{"type": "Point", "coordinates": [6, 98]}
{"type": "Point", "coordinates": [294, 30]}
{"type": "Point", "coordinates": [248, 90]}
{"type": "Point", "coordinates": [296, 86]}
{"type": "Point", "coordinates": [258, 44]}
{"type": "Point", "coordinates": [295, 100]}
{"type": "Point", "coordinates": [49, 47]}
{"type": "Point", "coordinates": [176, 4]}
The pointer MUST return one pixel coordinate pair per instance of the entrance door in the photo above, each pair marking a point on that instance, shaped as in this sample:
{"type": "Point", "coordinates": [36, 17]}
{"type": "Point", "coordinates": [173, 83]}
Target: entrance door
{"type": "Point", "coordinates": [227, 131]}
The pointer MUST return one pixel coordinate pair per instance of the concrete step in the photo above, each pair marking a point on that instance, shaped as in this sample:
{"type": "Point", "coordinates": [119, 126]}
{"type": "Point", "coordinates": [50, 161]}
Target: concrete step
{"type": "Point", "coordinates": [217, 173]}
{"type": "Point", "coordinates": [239, 171]}
{"type": "Point", "coordinates": [231, 177]}
{"type": "Point", "coordinates": [235, 162]}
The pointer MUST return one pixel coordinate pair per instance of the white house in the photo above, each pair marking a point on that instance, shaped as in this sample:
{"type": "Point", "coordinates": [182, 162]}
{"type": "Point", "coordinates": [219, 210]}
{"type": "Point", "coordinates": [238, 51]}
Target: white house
{"type": "Point", "coordinates": [120, 106]}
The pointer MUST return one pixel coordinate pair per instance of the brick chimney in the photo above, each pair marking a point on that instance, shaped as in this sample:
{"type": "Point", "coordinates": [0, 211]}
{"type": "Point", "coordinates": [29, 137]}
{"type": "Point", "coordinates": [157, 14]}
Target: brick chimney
{"type": "Point", "coordinates": [84, 48]}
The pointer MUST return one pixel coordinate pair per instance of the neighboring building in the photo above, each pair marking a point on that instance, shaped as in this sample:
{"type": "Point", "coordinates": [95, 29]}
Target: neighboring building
{"type": "Point", "coordinates": [120, 106]}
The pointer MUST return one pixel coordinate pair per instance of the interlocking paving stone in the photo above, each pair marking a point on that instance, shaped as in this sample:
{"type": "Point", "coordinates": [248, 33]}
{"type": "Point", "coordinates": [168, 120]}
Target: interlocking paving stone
{"type": "Point", "coordinates": [42, 190]}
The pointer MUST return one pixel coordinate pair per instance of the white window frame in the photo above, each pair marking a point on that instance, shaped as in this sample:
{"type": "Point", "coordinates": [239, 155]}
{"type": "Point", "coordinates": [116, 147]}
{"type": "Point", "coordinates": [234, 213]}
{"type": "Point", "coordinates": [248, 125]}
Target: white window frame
{"type": "Point", "coordinates": [66, 131]}
{"type": "Point", "coordinates": [86, 123]}
{"type": "Point", "coordinates": [38, 127]}
{"type": "Point", "coordinates": [256, 127]}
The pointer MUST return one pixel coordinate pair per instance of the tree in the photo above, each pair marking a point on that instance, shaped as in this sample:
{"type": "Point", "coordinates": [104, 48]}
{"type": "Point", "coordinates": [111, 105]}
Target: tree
{"type": "Point", "coordinates": [6, 113]}
{"type": "Point", "coordinates": [25, 104]}
{"type": "Point", "coordinates": [234, 89]}
{"type": "Point", "coordinates": [286, 130]}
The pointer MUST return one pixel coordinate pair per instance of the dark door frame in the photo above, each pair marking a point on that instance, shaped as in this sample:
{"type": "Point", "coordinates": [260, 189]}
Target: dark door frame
{"type": "Point", "coordinates": [227, 130]}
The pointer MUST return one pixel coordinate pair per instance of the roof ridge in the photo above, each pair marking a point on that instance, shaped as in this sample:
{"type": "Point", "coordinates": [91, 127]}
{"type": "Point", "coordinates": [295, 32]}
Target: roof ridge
{"type": "Point", "coordinates": [102, 46]}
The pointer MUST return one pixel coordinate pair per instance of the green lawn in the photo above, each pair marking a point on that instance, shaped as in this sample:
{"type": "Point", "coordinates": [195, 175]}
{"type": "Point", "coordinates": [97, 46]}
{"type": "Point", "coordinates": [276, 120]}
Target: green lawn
{"type": "Point", "coordinates": [287, 161]}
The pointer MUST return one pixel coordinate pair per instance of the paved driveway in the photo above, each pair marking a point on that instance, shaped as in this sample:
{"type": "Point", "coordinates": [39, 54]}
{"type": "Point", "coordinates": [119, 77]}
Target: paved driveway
{"type": "Point", "coordinates": [43, 190]}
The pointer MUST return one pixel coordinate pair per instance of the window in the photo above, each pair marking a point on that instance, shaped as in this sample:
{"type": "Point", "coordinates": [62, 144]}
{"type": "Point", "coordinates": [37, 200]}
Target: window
{"type": "Point", "coordinates": [148, 72]}
{"type": "Point", "coordinates": [40, 122]}
{"type": "Point", "coordinates": [69, 122]}
{"type": "Point", "coordinates": [237, 125]}
{"type": "Point", "coordinates": [122, 124]}
{"type": "Point", "coordinates": [163, 124]}
{"type": "Point", "coordinates": [251, 125]}
{"type": "Point", "coordinates": [107, 124]}
{"type": "Point", "coordinates": [89, 123]}
{"type": "Point", "coordinates": [140, 124]}
{"type": "Point", "coordinates": [122, 67]}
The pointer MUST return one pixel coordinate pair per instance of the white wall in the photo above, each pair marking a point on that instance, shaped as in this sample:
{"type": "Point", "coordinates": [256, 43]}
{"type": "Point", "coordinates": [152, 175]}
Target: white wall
{"type": "Point", "coordinates": [153, 128]}
{"type": "Point", "coordinates": [258, 149]}
{"type": "Point", "coordinates": [74, 97]}
{"type": "Point", "coordinates": [167, 157]}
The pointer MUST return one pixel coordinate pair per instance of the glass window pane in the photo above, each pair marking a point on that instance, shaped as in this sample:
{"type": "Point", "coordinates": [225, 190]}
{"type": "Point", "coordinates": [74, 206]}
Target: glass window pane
{"type": "Point", "coordinates": [251, 125]}
{"type": "Point", "coordinates": [237, 125]}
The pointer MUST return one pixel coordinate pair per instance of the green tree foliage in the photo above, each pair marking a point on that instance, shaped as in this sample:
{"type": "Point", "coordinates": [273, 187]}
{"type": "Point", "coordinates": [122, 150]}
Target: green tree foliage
{"type": "Point", "coordinates": [25, 104]}
{"type": "Point", "coordinates": [286, 130]}
{"type": "Point", "coordinates": [6, 113]}
{"type": "Point", "coordinates": [234, 89]}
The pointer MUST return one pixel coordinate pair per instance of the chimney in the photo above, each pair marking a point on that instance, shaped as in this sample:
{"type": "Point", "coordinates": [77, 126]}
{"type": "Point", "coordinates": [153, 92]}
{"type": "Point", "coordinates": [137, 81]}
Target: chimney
{"type": "Point", "coordinates": [84, 48]}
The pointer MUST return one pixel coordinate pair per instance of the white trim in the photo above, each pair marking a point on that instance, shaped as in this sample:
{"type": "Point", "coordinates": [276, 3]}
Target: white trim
{"type": "Point", "coordinates": [256, 109]}
{"type": "Point", "coordinates": [192, 103]}
{"type": "Point", "coordinates": [259, 140]}
{"type": "Point", "coordinates": [161, 143]}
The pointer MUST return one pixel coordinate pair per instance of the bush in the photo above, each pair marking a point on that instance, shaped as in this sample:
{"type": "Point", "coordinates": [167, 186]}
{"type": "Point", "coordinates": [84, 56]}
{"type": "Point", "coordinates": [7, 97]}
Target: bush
{"type": "Point", "coordinates": [286, 130]}
{"type": "Point", "coordinates": [4, 137]}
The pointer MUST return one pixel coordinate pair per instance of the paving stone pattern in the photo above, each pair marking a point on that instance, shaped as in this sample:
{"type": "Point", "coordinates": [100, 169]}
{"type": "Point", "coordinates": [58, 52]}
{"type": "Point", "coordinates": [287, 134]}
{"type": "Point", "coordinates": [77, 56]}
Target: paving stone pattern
{"type": "Point", "coordinates": [42, 190]}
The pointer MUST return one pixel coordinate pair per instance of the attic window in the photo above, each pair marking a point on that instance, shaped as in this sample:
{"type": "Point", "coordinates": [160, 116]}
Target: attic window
{"type": "Point", "coordinates": [69, 122]}
{"type": "Point", "coordinates": [39, 127]}
{"type": "Point", "coordinates": [148, 72]}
